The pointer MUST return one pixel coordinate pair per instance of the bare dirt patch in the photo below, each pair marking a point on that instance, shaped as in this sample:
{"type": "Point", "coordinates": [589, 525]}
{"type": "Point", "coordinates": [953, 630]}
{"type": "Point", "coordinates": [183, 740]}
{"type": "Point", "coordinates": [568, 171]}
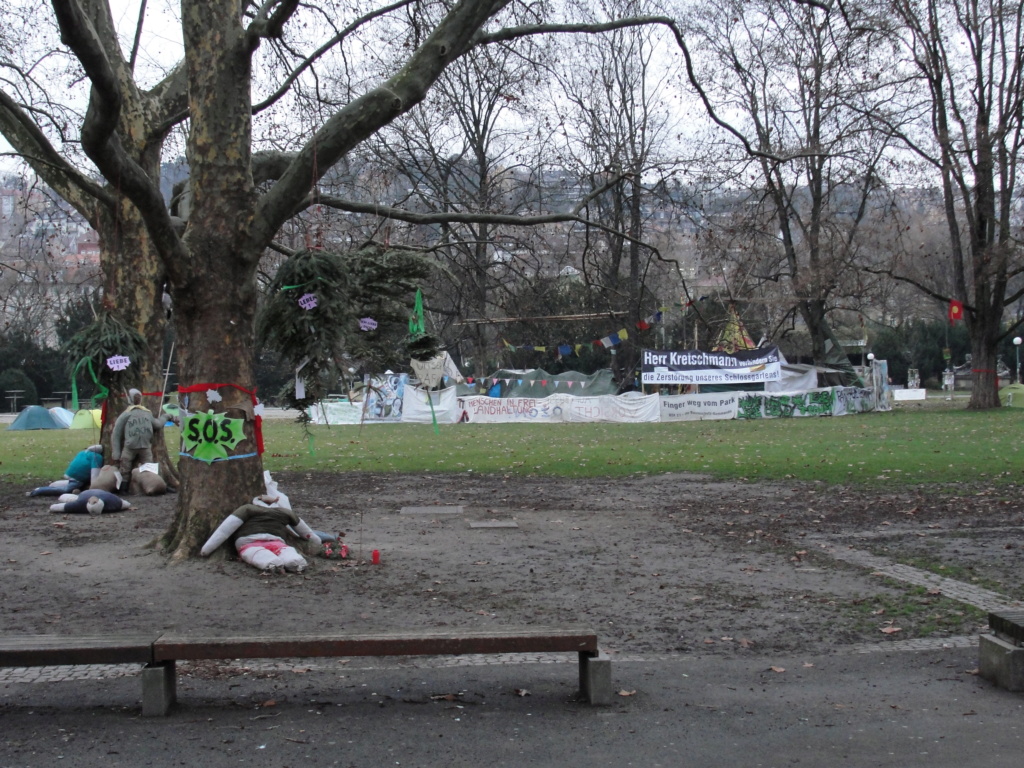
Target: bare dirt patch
{"type": "Point", "coordinates": [668, 563]}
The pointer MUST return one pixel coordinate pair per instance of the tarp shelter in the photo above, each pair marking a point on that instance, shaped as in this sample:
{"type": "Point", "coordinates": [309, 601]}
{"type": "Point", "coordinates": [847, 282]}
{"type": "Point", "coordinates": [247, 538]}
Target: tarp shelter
{"type": "Point", "coordinates": [86, 419]}
{"type": "Point", "coordinates": [1012, 395]}
{"type": "Point", "coordinates": [63, 415]}
{"type": "Point", "coordinates": [35, 417]}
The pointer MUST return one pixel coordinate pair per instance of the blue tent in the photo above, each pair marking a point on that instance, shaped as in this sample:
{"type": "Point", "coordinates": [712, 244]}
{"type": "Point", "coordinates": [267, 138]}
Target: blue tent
{"type": "Point", "coordinates": [36, 417]}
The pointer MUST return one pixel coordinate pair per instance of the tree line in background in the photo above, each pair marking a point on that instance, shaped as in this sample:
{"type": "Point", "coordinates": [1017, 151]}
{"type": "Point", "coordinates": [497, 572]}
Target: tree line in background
{"type": "Point", "coordinates": [570, 169]}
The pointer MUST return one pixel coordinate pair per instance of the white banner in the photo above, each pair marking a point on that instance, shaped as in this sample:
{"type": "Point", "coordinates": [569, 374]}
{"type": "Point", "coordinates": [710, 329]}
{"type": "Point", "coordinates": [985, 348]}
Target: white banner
{"type": "Point", "coordinates": [422, 407]}
{"type": "Point", "coordinates": [336, 413]}
{"type": "Point", "coordinates": [503, 410]}
{"type": "Point", "coordinates": [717, 405]}
{"type": "Point", "coordinates": [561, 408]}
{"type": "Point", "coordinates": [630, 408]}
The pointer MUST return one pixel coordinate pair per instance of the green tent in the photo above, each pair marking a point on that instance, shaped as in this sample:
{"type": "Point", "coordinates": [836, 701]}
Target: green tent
{"type": "Point", "coordinates": [86, 419]}
{"type": "Point", "coordinates": [1012, 395]}
{"type": "Point", "coordinates": [35, 417]}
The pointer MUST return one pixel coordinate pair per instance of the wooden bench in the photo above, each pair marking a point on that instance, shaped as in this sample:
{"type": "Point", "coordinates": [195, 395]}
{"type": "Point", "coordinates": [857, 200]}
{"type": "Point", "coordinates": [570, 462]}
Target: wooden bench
{"type": "Point", "coordinates": [161, 652]}
{"type": "Point", "coordinates": [56, 650]}
{"type": "Point", "coordinates": [1001, 654]}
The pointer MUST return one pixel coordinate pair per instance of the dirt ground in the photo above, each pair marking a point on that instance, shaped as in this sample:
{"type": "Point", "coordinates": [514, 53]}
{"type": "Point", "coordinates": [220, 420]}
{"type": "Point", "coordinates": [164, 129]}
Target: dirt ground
{"type": "Point", "coordinates": [658, 564]}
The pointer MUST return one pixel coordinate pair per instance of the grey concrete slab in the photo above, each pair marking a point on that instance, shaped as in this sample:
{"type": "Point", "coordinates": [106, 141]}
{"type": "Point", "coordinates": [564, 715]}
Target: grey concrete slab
{"type": "Point", "coordinates": [456, 510]}
{"type": "Point", "coordinates": [494, 524]}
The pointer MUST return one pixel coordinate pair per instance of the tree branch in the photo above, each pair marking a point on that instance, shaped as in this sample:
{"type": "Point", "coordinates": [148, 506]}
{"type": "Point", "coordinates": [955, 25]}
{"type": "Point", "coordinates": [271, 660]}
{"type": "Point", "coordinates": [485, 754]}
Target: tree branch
{"type": "Point", "coordinates": [323, 49]}
{"type": "Point", "coordinates": [269, 21]}
{"type": "Point", "coordinates": [941, 297]}
{"type": "Point", "coordinates": [31, 144]}
{"type": "Point", "coordinates": [364, 116]}
{"type": "Point", "coordinates": [99, 129]}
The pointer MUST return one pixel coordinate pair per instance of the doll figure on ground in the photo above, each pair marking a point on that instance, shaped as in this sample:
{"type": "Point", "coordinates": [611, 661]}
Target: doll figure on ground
{"type": "Point", "coordinates": [260, 533]}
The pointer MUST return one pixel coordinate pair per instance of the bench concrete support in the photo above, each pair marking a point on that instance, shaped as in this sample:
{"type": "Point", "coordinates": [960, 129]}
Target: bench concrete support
{"type": "Point", "coordinates": [159, 688]}
{"type": "Point", "coordinates": [1001, 662]}
{"type": "Point", "coordinates": [596, 677]}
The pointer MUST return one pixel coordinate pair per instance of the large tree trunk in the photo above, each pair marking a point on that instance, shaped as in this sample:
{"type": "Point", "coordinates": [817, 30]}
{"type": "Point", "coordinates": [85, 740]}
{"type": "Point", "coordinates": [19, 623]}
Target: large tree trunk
{"type": "Point", "coordinates": [214, 292]}
{"type": "Point", "coordinates": [985, 380]}
{"type": "Point", "coordinates": [215, 341]}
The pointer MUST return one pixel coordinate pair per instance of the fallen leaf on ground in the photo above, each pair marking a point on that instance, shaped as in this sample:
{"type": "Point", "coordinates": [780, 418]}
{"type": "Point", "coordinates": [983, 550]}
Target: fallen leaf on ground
{"type": "Point", "coordinates": [971, 671]}
{"type": "Point", "coordinates": [445, 697]}
{"type": "Point", "coordinates": [46, 553]}
{"type": "Point", "coordinates": [746, 643]}
{"type": "Point", "coordinates": [890, 630]}
{"type": "Point", "coordinates": [627, 693]}
{"type": "Point", "coordinates": [777, 669]}
{"type": "Point", "coordinates": [269, 703]}
{"type": "Point", "coordinates": [521, 692]}
{"type": "Point", "coordinates": [807, 665]}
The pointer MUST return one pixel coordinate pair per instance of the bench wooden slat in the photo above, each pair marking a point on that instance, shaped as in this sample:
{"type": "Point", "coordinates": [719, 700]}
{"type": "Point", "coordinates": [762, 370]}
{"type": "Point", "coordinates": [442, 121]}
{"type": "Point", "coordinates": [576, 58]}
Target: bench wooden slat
{"type": "Point", "coordinates": [57, 650]}
{"type": "Point", "coordinates": [184, 647]}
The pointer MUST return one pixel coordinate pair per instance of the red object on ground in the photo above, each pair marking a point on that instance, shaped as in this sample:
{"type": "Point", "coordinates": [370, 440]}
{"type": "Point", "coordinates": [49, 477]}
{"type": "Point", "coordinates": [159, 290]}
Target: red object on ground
{"type": "Point", "coordinates": [375, 557]}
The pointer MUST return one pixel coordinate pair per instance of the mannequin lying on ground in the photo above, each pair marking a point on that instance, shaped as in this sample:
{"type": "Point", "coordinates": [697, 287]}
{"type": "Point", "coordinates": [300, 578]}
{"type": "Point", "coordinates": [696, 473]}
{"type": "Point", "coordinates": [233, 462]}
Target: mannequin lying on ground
{"type": "Point", "coordinates": [77, 475]}
{"type": "Point", "coordinates": [91, 502]}
{"type": "Point", "coordinates": [260, 532]}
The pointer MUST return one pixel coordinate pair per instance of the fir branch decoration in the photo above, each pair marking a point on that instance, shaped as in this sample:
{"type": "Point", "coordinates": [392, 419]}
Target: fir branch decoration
{"type": "Point", "coordinates": [108, 335]}
{"type": "Point", "coordinates": [372, 281]}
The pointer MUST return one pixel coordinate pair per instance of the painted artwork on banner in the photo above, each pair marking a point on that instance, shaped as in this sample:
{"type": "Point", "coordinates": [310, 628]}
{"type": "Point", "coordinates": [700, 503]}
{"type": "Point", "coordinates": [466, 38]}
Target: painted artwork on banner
{"type": "Point", "coordinates": [692, 366]}
{"type": "Point", "coordinates": [828, 401]}
{"type": "Point", "coordinates": [384, 397]}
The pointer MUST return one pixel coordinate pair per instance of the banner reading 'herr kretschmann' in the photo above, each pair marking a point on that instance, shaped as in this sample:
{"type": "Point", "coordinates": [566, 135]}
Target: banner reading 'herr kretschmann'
{"type": "Point", "coordinates": [692, 366]}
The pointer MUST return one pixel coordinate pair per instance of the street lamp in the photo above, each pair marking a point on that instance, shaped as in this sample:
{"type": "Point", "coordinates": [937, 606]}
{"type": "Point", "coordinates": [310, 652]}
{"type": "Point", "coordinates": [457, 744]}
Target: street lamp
{"type": "Point", "coordinates": [1016, 343]}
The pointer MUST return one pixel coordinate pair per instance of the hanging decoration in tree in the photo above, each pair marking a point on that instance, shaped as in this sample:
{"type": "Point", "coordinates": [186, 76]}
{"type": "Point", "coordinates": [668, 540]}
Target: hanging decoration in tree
{"type": "Point", "coordinates": [421, 345]}
{"type": "Point", "coordinates": [308, 301]}
{"type": "Point", "coordinates": [362, 290]}
{"type": "Point", "coordinates": [118, 362]}
{"type": "Point", "coordinates": [107, 337]}
{"type": "Point", "coordinates": [417, 327]}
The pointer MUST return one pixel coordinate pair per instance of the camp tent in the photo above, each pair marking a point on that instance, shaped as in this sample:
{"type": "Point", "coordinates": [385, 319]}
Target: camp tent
{"type": "Point", "coordinates": [86, 419]}
{"type": "Point", "coordinates": [62, 415]}
{"type": "Point", "coordinates": [35, 417]}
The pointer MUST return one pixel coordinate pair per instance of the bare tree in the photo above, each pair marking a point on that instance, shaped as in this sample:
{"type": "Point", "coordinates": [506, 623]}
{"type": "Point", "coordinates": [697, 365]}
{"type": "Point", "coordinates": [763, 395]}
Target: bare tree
{"type": "Point", "coordinates": [460, 151]}
{"type": "Point", "coordinates": [793, 89]}
{"type": "Point", "coordinates": [966, 56]}
{"type": "Point", "coordinates": [614, 110]}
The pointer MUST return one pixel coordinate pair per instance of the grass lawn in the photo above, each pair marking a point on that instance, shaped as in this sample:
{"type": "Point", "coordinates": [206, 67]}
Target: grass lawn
{"type": "Point", "coordinates": [930, 446]}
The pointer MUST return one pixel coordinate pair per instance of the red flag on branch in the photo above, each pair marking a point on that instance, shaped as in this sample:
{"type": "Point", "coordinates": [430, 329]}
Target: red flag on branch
{"type": "Point", "coordinates": [956, 311]}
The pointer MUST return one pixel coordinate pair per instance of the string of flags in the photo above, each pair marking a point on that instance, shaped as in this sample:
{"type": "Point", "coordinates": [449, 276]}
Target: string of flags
{"type": "Point", "coordinates": [606, 342]}
{"type": "Point", "coordinates": [493, 382]}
